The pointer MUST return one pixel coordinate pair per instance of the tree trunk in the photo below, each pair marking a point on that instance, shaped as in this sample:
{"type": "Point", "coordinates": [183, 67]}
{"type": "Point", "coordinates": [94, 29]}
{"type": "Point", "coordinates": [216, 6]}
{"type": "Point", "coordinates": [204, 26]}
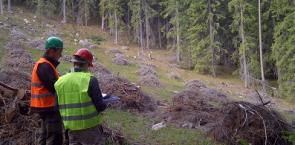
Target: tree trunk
{"type": "Point", "coordinates": [147, 31]}
{"type": "Point", "coordinates": [116, 28]}
{"type": "Point", "coordinates": [177, 34]}
{"type": "Point", "coordinates": [260, 45]}
{"type": "Point", "coordinates": [141, 34]}
{"type": "Point", "coordinates": [140, 25]}
{"type": "Point", "coordinates": [211, 46]}
{"type": "Point", "coordinates": [159, 32]}
{"type": "Point", "coordinates": [102, 21]}
{"type": "Point", "coordinates": [9, 5]}
{"type": "Point", "coordinates": [244, 62]}
{"type": "Point", "coordinates": [77, 12]}
{"type": "Point", "coordinates": [1, 7]}
{"type": "Point", "coordinates": [85, 13]}
{"type": "Point", "coordinates": [128, 24]}
{"type": "Point", "coordinates": [166, 32]}
{"type": "Point", "coordinates": [110, 27]}
{"type": "Point", "coordinates": [64, 11]}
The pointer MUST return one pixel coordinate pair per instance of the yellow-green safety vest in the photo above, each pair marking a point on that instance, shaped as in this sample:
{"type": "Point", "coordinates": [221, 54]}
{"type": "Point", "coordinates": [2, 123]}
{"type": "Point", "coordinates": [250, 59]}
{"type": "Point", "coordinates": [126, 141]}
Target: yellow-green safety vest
{"type": "Point", "coordinates": [76, 107]}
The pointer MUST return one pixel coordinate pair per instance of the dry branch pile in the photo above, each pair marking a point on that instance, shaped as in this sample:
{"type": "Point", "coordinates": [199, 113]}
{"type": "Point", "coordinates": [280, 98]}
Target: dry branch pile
{"type": "Point", "coordinates": [15, 126]}
{"type": "Point", "coordinates": [37, 44]}
{"type": "Point", "coordinates": [196, 106]}
{"type": "Point", "coordinates": [148, 76]}
{"type": "Point", "coordinates": [254, 124]}
{"type": "Point", "coordinates": [120, 59]}
{"type": "Point", "coordinates": [18, 62]}
{"type": "Point", "coordinates": [132, 98]}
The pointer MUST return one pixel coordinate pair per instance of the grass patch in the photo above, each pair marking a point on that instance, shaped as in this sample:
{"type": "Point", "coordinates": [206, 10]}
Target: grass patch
{"type": "Point", "coordinates": [96, 39]}
{"type": "Point", "coordinates": [137, 129]}
{"type": "Point", "coordinates": [289, 116]}
{"type": "Point", "coordinates": [3, 40]}
{"type": "Point", "coordinates": [127, 71]}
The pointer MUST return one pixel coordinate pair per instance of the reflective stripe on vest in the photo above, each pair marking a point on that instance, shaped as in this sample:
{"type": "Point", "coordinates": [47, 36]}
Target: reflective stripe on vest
{"type": "Point", "coordinates": [41, 97]}
{"type": "Point", "coordinates": [75, 106]}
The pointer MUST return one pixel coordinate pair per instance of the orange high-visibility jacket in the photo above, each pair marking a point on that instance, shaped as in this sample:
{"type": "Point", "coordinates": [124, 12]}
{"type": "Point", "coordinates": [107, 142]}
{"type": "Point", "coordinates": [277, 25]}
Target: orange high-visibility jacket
{"type": "Point", "coordinates": [41, 97]}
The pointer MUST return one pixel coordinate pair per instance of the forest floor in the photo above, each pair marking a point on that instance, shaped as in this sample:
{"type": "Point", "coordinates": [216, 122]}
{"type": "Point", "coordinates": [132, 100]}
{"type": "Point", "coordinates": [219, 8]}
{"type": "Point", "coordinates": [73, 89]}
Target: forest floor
{"type": "Point", "coordinates": [135, 127]}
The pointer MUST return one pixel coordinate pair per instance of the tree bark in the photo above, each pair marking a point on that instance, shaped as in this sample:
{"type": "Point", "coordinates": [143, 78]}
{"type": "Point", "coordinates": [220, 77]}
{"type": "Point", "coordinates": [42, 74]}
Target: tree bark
{"type": "Point", "coordinates": [177, 34]}
{"type": "Point", "coordinates": [102, 21]}
{"type": "Point", "coordinates": [9, 5]}
{"type": "Point", "coordinates": [128, 24]}
{"type": "Point", "coordinates": [244, 62]}
{"type": "Point", "coordinates": [1, 7]}
{"type": "Point", "coordinates": [260, 45]}
{"type": "Point", "coordinates": [85, 13]}
{"type": "Point", "coordinates": [116, 28]}
{"type": "Point", "coordinates": [147, 31]}
{"type": "Point", "coordinates": [64, 11]}
{"type": "Point", "coordinates": [159, 32]}
{"type": "Point", "coordinates": [211, 46]}
{"type": "Point", "coordinates": [141, 27]}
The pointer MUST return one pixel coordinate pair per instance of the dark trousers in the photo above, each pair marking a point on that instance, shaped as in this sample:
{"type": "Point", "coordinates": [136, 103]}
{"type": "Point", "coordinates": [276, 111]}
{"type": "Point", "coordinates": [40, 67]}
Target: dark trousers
{"type": "Point", "coordinates": [51, 129]}
{"type": "Point", "coordinates": [91, 136]}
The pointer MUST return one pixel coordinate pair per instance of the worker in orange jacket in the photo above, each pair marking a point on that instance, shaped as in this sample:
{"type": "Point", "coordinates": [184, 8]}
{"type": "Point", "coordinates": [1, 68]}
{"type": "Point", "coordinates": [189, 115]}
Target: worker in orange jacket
{"type": "Point", "coordinates": [43, 99]}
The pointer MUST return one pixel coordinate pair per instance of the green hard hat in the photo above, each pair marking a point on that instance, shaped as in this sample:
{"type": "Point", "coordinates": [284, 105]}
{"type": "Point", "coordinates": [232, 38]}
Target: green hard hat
{"type": "Point", "coordinates": [54, 42]}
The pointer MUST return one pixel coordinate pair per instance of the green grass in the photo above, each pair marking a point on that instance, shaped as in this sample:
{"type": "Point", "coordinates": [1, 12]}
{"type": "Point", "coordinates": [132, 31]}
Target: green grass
{"type": "Point", "coordinates": [127, 71]}
{"type": "Point", "coordinates": [3, 40]}
{"type": "Point", "coordinates": [289, 116]}
{"type": "Point", "coordinates": [137, 129]}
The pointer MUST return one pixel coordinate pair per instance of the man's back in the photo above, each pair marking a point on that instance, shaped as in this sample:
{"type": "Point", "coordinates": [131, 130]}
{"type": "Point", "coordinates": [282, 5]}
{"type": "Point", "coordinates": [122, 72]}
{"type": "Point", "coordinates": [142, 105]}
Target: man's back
{"type": "Point", "coordinates": [76, 107]}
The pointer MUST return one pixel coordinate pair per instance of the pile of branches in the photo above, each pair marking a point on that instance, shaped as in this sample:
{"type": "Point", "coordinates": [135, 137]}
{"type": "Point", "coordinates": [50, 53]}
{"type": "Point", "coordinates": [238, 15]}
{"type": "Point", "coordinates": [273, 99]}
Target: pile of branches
{"type": "Point", "coordinates": [16, 127]}
{"type": "Point", "coordinates": [18, 63]}
{"type": "Point", "coordinates": [243, 122]}
{"type": "Point", "coordinates": [148, 76]}
{"type": "Point", "coordinates": [132, 98]}
{"type": "Point", "coordinates": [113, 137]}
{"type": "Point", "coordinates": [196, 106]}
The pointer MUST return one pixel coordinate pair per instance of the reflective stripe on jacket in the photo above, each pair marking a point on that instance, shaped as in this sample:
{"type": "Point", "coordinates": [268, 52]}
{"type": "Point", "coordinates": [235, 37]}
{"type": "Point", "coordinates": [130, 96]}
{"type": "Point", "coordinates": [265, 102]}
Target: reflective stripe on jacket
{"type": "Point", "coordinates": [75, 105]}
{"type": "Point", "coordinates": [41, 96]}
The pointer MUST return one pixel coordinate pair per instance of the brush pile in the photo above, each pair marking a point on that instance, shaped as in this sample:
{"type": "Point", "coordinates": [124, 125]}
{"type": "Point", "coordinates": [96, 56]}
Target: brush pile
{"type": "Point", "coordinates": [18, 63]}
{"type": "Point", "coordinates": [243, 122]}
{"type": "Point", "coordinates": [15, 126]}
{"type": "Point", "coordinates": [113, 137]}
{"type": "Point", "coordinates": [196, 106]}
{"type": "Point", "coordinates": [120, 59]}
{"type": "Point", "coordinates": [148, 76]}
{"type": "Point", "coordinates": [132, 98]}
